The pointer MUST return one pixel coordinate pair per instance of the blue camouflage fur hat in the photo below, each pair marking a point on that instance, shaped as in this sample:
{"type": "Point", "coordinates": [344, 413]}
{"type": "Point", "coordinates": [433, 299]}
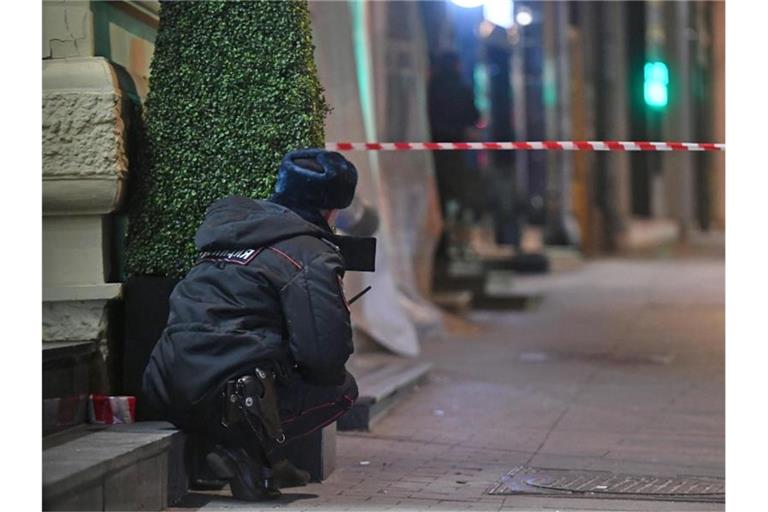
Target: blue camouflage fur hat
{"type": "Point", "coordinates": [316, 178]}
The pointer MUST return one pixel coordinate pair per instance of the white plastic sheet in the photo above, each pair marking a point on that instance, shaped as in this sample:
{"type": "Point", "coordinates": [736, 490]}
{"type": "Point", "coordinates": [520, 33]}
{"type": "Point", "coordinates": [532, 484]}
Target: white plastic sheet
{"type": "Point", "coordinates": [379, 313]}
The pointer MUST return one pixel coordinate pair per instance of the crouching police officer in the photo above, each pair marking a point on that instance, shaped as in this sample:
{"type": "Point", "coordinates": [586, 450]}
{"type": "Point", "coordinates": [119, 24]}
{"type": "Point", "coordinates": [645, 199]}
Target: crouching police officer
{"type": "Point", "coordinates": [259, 332]}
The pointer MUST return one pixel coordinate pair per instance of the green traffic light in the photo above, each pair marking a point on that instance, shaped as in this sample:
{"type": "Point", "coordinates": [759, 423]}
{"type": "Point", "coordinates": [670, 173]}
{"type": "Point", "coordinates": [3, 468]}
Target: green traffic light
{"type": "Point", "coordinates": [655, 86]}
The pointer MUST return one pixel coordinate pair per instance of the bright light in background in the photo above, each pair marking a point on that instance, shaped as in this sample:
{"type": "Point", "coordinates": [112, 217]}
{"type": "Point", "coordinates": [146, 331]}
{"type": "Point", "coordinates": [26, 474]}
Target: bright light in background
{"type": "Point", "coordinates": [499, 12]}
{"type": "Point", "coordinates": [480, 75]}
{"type": "Point", "coordinates": [656, 76]}
{"type": "Point", "coordinates": [468, 3]}
{"type": "Point", "coordinates": [524, 17]}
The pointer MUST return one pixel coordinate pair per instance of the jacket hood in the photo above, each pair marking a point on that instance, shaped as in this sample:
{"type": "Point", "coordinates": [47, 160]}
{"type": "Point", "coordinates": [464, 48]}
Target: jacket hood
{"type": "Point", "coordinates": [242, 223]}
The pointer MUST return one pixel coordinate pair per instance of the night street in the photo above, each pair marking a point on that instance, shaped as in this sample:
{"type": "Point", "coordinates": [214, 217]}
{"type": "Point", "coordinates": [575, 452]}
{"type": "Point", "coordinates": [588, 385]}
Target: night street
{"type": "Point", "coordinates": [629, 379]}
{"type": "Point", "coordinates": [389, 255]}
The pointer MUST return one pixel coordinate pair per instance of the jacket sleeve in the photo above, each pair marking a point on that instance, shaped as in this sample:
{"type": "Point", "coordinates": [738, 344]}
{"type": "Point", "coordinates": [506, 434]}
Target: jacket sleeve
{"type": "Point", "coordinates": [317, 319]}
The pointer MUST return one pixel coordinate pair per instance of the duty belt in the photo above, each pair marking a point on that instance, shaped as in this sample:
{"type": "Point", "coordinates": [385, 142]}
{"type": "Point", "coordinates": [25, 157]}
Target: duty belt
{"type": "Point", "coordinates": [254, 396]}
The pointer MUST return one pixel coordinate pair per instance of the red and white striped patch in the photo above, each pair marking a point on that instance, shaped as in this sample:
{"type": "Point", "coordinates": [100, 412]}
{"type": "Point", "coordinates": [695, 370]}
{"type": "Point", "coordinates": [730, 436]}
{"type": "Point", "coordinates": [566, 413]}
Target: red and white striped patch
{"type": "Point", "coordinates": [552, 145]}
{"type": "Point", "coordinates": [109, 410]}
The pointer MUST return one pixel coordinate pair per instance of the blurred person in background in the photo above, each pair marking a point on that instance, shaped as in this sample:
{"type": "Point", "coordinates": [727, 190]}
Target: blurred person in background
{"type": "Point", "coordinates": [452, 117]}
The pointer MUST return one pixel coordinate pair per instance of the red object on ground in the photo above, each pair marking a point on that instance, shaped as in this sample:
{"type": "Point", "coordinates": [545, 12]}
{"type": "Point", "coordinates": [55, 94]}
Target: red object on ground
{"type": "Point", "coordinates": [109, 410]}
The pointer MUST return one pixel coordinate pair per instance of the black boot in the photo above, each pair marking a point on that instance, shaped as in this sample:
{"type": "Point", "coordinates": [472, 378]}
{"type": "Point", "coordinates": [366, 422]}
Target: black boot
{"type": "Point", "coordinates": [201, 478]}
{"type": "Point", "coordinates": [248, 479]}
{"type": "Point", "coordinates": [287, 475]}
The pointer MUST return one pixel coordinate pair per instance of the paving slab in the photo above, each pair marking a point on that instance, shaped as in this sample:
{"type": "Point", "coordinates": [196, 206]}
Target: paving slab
{"type": "Point", "coordinates": [629, 378]}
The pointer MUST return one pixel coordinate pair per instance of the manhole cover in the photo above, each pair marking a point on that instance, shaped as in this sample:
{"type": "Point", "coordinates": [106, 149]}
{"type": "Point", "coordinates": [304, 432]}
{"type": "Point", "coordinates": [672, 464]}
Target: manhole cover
{"type": "Point", "coordinates": [626, 484]}
{"type": "Point", "coordinates": [575, 483]}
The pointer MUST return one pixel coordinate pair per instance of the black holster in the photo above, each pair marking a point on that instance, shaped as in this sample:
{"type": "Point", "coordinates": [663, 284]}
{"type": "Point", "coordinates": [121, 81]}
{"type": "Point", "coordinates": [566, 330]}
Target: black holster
{"type": "Point", "coordinates": [253, 398]}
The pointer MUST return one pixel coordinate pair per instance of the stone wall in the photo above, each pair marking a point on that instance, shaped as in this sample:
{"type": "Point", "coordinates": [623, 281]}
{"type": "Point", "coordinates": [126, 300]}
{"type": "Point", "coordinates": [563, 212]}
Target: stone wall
{"type": "Point", "coordinates": [85, 169]}
{"type": "Point", "coordinates": [67, 29]}
{"type": "Point", "coordinates": [96, 58]}
{"type": "Point", "coordinates": [84, 159]}
{"type": "Point", "coordinates": [82, 135]}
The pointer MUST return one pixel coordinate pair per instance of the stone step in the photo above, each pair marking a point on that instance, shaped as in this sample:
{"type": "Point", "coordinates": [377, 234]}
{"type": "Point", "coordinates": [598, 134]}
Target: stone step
{"type": "Point", "coordinates": [459, 302]}
{"type": "Point", "coordinates": [507, 302]}
{"type": "Point", "coordinates": [315, 453]}
{"type": "Point", "coordinates": [564, 259]}
{"type": "Point", "coordinates": [502, 291]}
{"type": "Point", "coordinates": [490, 282]}
{"type": "Point", "coordinates": [523, 263]}
{"type": "Point", "coordinates": [137, 466]}
{"type": "Point", "coordinates": [383, 381]}
{"type": "Point", "coordinates": [643, 234]}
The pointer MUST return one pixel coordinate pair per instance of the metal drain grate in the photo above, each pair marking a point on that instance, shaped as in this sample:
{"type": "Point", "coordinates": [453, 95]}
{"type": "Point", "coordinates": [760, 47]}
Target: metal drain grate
{"type": "Point", "coordinates": [607, 358]}
{"type": "Point", "coordinates": [577, 483]}
{"type": "Point", "coordinates": [626, 484]}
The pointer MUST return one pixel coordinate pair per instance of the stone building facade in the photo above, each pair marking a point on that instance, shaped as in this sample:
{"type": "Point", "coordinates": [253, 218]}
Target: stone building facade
{"type": "Point", "coordinates": [95, 60]}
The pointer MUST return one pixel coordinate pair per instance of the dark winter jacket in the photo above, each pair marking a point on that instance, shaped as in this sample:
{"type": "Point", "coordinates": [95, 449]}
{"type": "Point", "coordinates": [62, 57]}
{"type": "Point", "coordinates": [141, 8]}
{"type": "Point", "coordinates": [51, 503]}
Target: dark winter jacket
{"type": "Point", "coordinates": [268, 286]}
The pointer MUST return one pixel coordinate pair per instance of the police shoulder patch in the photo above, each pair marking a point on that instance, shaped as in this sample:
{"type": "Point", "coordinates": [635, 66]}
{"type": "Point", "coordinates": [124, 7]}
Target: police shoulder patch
{"type": "Point", "coordinates": [238, 257]}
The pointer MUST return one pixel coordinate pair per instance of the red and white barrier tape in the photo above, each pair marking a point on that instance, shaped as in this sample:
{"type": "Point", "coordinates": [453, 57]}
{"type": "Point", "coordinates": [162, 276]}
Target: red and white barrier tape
{"type": "Point", "coordinates": [592, 145]}
{"type": "Point", "coordinates": [109, 410]}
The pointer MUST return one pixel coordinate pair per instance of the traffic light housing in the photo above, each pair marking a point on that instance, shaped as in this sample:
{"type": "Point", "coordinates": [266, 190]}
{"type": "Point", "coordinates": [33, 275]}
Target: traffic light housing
{"type": "Point", "coordinates": [655, 85]}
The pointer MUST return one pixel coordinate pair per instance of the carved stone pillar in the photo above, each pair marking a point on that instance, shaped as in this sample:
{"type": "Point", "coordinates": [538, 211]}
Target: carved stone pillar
{"type": "Point", "coordinates": [84, 172]}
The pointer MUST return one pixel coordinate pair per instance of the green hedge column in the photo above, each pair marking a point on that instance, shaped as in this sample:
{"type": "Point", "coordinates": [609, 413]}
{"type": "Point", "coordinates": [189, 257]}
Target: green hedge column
{"type": "Point", "coordinates": [233, 87]}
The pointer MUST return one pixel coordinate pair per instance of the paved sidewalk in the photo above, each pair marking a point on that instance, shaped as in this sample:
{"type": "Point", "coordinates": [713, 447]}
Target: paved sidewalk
{"type": "Point", "coordinates": [621, 368]}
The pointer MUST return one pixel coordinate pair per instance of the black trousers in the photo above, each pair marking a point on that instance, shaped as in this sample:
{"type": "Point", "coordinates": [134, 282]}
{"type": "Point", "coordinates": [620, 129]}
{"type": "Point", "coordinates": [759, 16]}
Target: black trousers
{"type": "Point", "coordinates": [304, 408]}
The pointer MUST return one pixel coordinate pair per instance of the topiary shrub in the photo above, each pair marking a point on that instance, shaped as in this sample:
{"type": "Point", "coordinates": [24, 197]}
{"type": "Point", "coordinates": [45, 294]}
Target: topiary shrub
{"type": "Point", "coordinates": [233, 87]}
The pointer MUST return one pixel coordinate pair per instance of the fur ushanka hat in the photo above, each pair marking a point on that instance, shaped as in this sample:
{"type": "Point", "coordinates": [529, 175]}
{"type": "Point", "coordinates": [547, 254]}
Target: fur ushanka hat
{"type": "Point", "coordinates": [315, 178]}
